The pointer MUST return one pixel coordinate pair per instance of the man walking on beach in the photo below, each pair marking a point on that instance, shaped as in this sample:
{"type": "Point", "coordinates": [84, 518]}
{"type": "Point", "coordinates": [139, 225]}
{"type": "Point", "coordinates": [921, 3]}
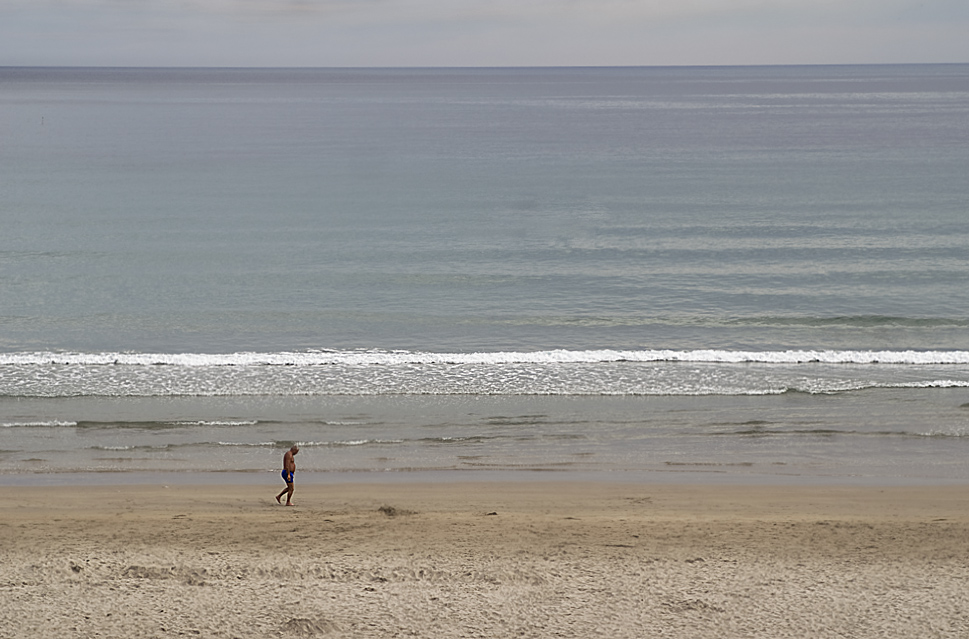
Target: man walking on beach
{"type": "Point", "coordinates": [289, 470]}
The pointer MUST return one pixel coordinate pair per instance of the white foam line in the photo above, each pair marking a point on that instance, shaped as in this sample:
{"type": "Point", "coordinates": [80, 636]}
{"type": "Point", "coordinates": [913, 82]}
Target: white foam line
{"type": "Point", "coordinates": [256, 444]}
{"type": "Point", "coordinates": [37, 424]}
{"type": "Point", "coordinates": [396, 358]}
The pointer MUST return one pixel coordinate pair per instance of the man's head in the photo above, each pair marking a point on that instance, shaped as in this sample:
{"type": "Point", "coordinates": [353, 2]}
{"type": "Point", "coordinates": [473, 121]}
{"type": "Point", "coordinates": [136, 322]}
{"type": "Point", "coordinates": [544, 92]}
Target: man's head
{"type": "Point", "coordinates": [294, 449]}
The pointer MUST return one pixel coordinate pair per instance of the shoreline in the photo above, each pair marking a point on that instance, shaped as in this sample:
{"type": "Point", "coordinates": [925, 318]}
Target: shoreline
{"type": "Point", "coordinates": [670, 499]}
{"type": "Point", "coordinates": [495, 559]}
{"type": "Point", "coordinates": [727, 477]}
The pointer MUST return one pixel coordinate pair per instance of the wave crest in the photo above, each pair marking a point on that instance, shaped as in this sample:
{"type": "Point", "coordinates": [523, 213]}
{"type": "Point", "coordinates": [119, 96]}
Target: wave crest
{"type": "Point", "coordinates": [396, 358]}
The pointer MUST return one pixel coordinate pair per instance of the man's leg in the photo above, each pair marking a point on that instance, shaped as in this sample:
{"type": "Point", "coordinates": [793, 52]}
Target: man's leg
{"type": "Point", "coordinates": [290, 489]}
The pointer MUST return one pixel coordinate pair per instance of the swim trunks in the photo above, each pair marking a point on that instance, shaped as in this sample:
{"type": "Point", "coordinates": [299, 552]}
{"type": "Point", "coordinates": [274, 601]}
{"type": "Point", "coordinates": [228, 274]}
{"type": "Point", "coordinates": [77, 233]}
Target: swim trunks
{"type": "Point", "coordinates": [288, 476]}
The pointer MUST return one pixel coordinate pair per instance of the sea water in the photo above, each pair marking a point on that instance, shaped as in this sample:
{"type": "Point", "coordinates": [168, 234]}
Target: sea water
{"type": "Point", "coordinates": [717, 274]}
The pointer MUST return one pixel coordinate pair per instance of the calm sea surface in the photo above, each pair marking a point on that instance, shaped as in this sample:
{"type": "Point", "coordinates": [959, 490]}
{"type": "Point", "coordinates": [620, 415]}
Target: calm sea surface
{"type": "Point", "coordinates": [714, 274]}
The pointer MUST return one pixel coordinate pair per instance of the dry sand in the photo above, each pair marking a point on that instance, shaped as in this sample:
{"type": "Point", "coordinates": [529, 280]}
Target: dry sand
{"type": "Point", "coordinates": [485, 560]}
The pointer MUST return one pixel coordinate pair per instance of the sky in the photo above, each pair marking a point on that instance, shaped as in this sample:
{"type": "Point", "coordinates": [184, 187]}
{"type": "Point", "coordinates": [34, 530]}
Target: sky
{"type": "Point", "coordinates": [389, 33]}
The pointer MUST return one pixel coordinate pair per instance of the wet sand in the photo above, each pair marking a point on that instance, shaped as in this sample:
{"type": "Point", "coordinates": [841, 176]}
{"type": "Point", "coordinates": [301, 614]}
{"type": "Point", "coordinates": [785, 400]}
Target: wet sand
{"type": "Point", "coordinates": [495, 559]}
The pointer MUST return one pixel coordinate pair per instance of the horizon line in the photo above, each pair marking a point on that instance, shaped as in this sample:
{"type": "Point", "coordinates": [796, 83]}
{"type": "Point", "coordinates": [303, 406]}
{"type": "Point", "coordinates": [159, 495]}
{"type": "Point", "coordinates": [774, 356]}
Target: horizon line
{"type": "Point", "coordinates": [478, 67]}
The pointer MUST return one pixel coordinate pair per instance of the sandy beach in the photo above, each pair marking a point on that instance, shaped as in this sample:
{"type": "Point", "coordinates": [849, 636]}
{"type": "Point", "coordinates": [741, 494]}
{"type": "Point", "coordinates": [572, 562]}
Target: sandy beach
{"type": "Point", "coordinates": [536, 559]}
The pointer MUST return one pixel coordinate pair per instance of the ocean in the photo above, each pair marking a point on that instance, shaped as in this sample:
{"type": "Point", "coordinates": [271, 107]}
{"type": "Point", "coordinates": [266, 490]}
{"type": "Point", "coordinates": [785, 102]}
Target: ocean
{"type": "Point", "coordinates": [715, 274]}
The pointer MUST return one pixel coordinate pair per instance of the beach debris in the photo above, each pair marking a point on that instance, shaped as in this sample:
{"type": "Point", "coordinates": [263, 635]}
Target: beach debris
{"type": "Point", "coordinates": [692, 605]}
{"type": "Point", "coordinates": [390, 511]}
{"type": "Point", "coordinates": [309, 627]}
{"type": "Point", "coordinates": [189, 577]}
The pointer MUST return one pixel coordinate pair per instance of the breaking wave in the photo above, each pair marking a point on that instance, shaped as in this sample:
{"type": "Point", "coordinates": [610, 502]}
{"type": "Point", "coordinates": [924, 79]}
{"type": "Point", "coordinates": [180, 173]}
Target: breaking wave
{"type": "Point", "coordinates": [396, 358]}
{"type": "Point", "coordinates": [557, 372]}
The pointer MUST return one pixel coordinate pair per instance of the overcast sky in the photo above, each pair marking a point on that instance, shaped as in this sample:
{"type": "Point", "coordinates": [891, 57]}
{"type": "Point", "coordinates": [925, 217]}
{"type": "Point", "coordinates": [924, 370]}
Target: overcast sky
{"type": "Point", "coordinates": [480, 32]}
